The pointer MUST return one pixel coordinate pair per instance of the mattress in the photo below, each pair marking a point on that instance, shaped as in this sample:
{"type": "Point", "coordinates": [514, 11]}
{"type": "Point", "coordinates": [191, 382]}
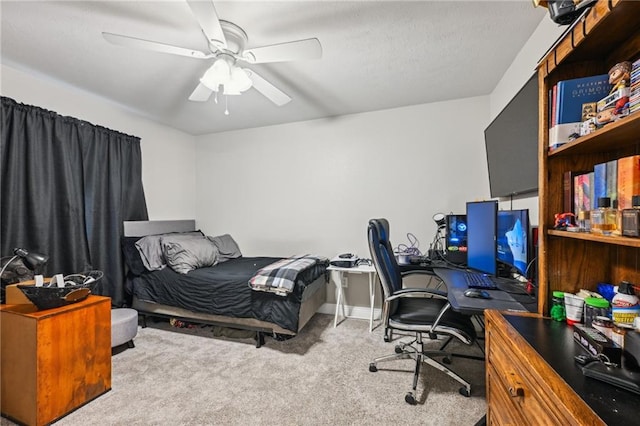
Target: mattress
{"type": "Point", "coordinates": [224, 290]}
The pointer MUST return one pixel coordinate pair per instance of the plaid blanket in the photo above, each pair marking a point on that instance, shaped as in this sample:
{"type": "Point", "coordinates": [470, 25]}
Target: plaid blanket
{"type": "Point", "coordinates": [280, 277]}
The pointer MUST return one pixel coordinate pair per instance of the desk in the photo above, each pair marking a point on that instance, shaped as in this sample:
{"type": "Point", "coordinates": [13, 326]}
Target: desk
{"type": "Point", "coordinates": [360, 269]}
{"type": "Point", "coordinates": [500, 300]}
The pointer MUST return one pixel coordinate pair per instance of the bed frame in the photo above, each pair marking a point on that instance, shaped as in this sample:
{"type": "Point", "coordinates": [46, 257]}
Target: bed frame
{"type": "Point", "coordinates": [313, 297]}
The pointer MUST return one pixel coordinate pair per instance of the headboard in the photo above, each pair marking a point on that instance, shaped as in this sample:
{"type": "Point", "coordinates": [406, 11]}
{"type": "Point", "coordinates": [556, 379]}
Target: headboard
{"type": "Point", "coordinates": [140, 228]}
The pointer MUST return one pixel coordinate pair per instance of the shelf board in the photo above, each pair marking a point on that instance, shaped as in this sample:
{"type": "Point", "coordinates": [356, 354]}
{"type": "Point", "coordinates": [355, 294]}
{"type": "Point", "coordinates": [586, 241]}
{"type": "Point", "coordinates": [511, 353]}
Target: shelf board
{"type": "Point", "coordinates": [617, 135]}
{"type": "Point", "coordinates": [606, 239]}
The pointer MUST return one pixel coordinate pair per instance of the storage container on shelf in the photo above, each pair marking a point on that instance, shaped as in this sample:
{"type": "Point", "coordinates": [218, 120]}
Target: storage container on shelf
{"type": "Point", "coordinates": [625, 305]}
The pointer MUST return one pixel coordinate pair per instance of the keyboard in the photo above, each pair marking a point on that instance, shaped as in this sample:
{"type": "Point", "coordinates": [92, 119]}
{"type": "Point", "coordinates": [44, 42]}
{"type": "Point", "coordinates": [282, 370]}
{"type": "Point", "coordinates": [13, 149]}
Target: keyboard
{"type": "Point", "coordinates": [474, 280]}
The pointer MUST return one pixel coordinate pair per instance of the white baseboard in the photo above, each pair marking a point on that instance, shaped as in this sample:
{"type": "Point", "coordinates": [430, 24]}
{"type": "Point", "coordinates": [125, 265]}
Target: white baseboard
{"type": "Point", "coordinates": [360, 312]}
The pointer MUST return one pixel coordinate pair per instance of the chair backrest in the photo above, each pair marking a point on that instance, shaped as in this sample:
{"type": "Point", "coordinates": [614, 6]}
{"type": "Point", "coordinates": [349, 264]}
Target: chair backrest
{"type": "Point", "coordinates": [383, 258]}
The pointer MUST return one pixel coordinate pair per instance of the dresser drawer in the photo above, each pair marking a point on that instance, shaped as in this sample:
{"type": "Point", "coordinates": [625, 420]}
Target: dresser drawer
{"type": "Point", "coordinates": [522, 389]}
{"type": "Point", "coordinates": [521, 385]}
{"type": "Point", "coordinates": [501, 410]}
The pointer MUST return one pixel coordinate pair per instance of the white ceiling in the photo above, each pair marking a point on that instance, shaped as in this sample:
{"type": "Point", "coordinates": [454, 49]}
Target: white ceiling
{"type": "Point", "coordinates": [376, 54]}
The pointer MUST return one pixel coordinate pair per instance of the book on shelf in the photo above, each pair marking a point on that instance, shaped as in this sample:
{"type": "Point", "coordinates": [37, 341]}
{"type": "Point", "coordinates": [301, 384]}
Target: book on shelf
{"type": "Point", "coordinates": [583, 192]}
{"type": "Point", "coordinates": [567, 192]}
{"type": "Point", "coordinates": [554, 93]}
{"type": "Point", "coordinates": [569, 185]}
{"type": "Point", "coordinates": [575, 92]}
{"type": "Point", "coordinates": [634, 89]}
{"type": "Point", "coordinates": [568, 100]}
{"type": "Point", "coordinates": [605, 178]}
{"type": "Point", "coordinates": [599, 183]}
{"type": "Point", "coordinates": [628, 180]}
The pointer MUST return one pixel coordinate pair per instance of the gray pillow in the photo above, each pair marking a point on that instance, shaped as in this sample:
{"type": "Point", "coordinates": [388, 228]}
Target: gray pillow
{"type": "Point", "coordinates": [150, 248]}
{"type": "Point", "coordinates": [184, 255]}
{"type": "Point", "coordinates": [227, 247]}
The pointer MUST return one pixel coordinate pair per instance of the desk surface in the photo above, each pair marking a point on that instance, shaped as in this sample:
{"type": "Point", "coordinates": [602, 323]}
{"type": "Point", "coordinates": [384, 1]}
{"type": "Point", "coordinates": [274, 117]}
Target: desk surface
{"type": "Point", "coordinates": [554, 342]}
{"type": "Point", "coordinates": [500, 300]}
{"type": "Point", "coordinates": [356, 269]}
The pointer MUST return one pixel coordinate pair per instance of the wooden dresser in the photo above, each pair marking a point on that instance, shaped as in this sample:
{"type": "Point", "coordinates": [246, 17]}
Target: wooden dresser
{"type": "Point", "coordinates": [532, 378]}
{"type": "Point", "coordinates": [53, 361]}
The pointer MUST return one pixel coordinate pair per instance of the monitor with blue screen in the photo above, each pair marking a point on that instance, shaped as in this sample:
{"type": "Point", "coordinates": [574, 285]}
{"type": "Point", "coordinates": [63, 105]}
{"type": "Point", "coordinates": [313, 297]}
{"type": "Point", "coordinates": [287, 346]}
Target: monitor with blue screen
{"type": "Point", "coordinates": [512, 239]}
{"type": "Point", "coordinates": [481, 236]}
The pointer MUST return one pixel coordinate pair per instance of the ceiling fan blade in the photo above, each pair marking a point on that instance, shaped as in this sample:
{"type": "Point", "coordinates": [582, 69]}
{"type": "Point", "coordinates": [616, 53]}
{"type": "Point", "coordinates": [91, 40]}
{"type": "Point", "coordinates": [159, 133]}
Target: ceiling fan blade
{"type": "Point", "coordinates": [291, 51]}
{"type": "Point", "coordinates": [270, 91]}
{"type": "Point", "coordinates": [122, 40]}
{"type": "Point", "coordinates": [207, 17]}
{"type": "Point", "coordinates": [200, 94]}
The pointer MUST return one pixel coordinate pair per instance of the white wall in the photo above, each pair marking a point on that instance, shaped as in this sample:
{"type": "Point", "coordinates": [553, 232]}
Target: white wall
{"type": "Point", "coordinates": [312, 186]}
{"type": "Point", "coordinates": [168, 155]}
{"type": "Point", "coordinates": [519, 72]}
{"type": "Point", "coordinates": [404, 164]}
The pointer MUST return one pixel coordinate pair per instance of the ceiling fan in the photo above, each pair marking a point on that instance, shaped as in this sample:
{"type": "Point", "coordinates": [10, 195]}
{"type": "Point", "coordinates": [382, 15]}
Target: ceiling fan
{"type": "Point", "coordinates": [227, 47]}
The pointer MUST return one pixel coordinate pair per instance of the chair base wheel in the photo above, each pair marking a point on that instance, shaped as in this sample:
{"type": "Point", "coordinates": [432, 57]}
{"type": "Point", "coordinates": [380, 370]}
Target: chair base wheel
{"type": "Point", "coordinates": [464, 392]}
{"type": "Point", "coordinates": [446, 360]}
{"type": "Point", "coordinates": [398, 349]}
{"type": "Point", "coordinates": [410, 399]}
{"type": "Point", "coordinates": [373, 368]}
{"type": "Point", "coordinates": [387, 339]}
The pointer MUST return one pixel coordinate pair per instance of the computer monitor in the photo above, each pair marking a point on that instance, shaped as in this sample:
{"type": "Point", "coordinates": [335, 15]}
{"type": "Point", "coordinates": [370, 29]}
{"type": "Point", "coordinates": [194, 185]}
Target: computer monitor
{"type": "Point", "coordinates": [481, 236]}
{"type": "Point", "coordinates": [456, 238]}
{"type": "Point", "coordinates": [513, 239]}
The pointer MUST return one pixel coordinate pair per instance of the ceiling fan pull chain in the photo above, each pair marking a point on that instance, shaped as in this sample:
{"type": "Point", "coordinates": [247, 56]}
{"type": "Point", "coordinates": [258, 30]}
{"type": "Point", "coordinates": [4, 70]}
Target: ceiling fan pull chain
{"type": "Point", "coordinates": [226, 105]}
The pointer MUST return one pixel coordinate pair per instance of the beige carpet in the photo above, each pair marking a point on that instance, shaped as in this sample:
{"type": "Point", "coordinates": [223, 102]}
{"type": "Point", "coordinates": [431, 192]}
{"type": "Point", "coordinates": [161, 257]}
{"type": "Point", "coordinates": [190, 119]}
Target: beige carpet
{"type": "Point", "coordinates": [320, 377]}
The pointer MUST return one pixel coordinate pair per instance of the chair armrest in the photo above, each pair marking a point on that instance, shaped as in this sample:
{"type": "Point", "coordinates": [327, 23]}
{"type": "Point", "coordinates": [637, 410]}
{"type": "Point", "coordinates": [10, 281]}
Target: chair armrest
{"type": "Point", "coordinates": [412, 292]}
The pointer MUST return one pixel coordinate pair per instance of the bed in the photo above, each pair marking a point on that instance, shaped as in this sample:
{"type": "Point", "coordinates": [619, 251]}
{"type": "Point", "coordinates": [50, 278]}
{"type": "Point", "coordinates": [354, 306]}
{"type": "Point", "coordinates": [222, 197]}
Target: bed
{"type": "Point", "coordinates": [218, 295]}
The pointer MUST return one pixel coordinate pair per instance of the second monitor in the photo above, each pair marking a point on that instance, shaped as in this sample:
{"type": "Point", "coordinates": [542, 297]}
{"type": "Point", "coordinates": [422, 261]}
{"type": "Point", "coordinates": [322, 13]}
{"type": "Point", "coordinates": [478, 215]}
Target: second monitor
{"type": "Point", "coordinates": [512, 241]}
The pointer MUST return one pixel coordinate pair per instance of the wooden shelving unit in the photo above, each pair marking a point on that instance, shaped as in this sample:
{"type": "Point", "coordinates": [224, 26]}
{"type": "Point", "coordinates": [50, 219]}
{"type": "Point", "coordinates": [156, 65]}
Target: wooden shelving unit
{"type": "Point", "coordinates": [605, 239]}
{"type": "Point", "coordinates": [609, 33]}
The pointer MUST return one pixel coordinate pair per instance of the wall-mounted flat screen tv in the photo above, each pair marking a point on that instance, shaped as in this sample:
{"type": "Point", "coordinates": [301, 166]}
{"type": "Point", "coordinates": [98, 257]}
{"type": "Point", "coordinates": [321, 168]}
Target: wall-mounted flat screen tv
{"type": "Point", "coordinates": [511, 142]}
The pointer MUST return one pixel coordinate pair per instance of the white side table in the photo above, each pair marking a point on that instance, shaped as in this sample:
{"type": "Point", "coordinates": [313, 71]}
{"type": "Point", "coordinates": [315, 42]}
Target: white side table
{"type": "Point", "coordinates": [360, 269]}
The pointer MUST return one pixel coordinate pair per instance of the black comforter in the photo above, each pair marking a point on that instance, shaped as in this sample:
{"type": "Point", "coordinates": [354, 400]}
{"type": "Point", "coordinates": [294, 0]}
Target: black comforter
{"type": "Point", "coordinates": [224, 290]}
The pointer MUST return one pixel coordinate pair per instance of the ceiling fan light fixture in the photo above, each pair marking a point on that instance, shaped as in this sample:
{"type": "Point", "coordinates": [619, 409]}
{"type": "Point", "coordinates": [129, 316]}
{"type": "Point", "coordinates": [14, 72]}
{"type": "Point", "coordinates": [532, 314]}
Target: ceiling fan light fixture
{"type": "Point", "coordinates": [233, 80]}
{"type": "Point", "coordinates": [219, 73]}
{"type": "Point", "coordinates": [239, 80]}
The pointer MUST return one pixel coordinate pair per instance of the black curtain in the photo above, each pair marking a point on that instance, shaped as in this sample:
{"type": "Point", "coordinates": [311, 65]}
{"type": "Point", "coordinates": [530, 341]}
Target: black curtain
{"type": "Point", "coordinates": [66, 187]}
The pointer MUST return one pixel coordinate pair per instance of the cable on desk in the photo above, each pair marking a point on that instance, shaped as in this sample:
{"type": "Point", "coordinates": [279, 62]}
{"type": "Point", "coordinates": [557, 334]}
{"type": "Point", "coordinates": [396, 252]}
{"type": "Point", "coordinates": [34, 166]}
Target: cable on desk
{"type": "Point", "coordinates": [412, 249]}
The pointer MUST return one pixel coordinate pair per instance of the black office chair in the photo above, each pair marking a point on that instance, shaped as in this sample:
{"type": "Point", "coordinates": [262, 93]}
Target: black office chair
{"type": "Point", "coordinates": [416, 310]}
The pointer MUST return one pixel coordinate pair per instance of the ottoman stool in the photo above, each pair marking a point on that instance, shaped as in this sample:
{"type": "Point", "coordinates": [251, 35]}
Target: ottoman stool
{"type": "Point", "coordinates": [124, 326]}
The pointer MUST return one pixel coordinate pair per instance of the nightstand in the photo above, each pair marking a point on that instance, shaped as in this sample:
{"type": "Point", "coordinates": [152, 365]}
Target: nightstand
{"type": "Point", "coordinates": [55, 360]}
{"type": "Point", "coordinates": [360, 269]}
